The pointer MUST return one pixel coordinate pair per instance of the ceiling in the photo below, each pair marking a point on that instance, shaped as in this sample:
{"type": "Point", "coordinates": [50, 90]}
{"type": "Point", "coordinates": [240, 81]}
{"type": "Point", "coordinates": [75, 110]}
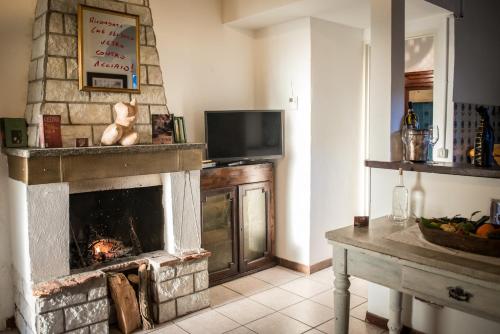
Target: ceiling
{"type": "Point", "coordinates": [419, 9]}
{"type": "Point", "coordinates": [355, 13]}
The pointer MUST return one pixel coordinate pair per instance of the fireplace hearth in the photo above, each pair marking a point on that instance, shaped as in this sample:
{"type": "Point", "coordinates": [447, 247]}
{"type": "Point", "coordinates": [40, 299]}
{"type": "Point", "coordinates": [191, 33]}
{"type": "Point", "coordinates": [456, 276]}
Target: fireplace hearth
{"type": "Point", "coordinates": [113, 203]}
{"type": "Point", "coordinates": [114, 224]}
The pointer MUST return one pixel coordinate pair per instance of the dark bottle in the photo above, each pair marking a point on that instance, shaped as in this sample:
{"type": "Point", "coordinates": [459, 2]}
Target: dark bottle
{"type": "Point", "coordinates": [485, 139]}
{"type": "Point", "coordinates": [411, 119]}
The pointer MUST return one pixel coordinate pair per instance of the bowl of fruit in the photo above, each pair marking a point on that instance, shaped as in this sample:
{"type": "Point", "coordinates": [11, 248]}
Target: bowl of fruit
{"type": "Point", "coordinates": [465, 234]}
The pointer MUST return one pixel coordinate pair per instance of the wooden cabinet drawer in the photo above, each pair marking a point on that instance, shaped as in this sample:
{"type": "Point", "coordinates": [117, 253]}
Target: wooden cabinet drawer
{"type": "Point", "coordinates": [453, 292]}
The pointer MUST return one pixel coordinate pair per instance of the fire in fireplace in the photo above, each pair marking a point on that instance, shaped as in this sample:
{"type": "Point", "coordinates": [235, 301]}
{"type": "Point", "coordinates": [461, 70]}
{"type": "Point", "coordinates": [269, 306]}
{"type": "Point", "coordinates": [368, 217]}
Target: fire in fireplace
{"type": "Point", "coordinates": [114, 224]}
{"type": "Point", "coordinates": [108, 249]}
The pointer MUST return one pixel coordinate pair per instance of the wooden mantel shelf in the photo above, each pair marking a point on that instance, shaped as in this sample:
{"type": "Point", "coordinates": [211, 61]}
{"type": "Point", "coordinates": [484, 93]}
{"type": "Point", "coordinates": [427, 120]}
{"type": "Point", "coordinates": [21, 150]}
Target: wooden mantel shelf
{"type": "Point", "coordinates": [41, 166]}
{"type": "Point", "coordinates": [100, 150]}
{"type": "Point", "coordinates": [437, 168]}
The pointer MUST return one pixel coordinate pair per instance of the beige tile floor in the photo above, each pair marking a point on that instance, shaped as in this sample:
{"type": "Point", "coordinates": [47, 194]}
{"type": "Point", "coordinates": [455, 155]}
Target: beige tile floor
{"type": "Point", "coordinates": [275, 301]}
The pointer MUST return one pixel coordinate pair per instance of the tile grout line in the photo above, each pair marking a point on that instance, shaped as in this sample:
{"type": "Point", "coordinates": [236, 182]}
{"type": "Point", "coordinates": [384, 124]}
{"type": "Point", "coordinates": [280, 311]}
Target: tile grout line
{"type": "Point", "coordinates": [279, 311]}
{"type": "Point", "coordinates": [240, 297]}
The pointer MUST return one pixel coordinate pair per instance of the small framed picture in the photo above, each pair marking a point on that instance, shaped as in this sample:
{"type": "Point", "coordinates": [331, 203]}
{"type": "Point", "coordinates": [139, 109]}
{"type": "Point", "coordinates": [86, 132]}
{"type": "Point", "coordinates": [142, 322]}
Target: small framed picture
{"type": "Point", "coordinates": [103, 80]}
{"type": "Point", "coordinates": [495, 211]}
{"type": "Point", "coordinates": [14, 132]}
{"type": "Point", "coordinates": [179, 130]}
{"type": "Point", "coordinates": [81, 142]}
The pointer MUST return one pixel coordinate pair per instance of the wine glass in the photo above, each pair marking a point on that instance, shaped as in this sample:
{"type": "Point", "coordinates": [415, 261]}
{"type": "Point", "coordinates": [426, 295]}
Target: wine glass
{"type": "Point", "coordinates": [433, 138]}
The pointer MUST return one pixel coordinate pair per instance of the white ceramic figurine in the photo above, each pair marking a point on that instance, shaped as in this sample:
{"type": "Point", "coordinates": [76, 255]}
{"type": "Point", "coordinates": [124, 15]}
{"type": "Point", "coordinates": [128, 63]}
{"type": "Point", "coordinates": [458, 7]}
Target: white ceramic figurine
{"type": "Point", "coordinates": [122, 130]}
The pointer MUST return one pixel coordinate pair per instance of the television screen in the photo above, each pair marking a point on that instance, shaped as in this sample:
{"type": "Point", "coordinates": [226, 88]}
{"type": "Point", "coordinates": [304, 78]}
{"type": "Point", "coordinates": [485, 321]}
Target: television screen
{"type": "Point", "coordinates": [252, 134]}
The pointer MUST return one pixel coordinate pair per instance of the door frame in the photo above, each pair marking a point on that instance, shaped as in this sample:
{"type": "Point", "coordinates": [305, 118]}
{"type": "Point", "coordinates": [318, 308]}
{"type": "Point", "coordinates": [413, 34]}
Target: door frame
{"type": "Point", "coordinates": [420, 80]}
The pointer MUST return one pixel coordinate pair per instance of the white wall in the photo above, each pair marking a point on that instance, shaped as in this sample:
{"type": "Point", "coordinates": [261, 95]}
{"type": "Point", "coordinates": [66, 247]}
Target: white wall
{"type": "Point", "coordinates": [283, 59]}
{"type": "Point", "coordinates": [16, 21]}
{"type": "Point", "coordinates": [337, 127]}
{"type": "Point", "coordinates": [380, 68]}
{"type": "Point", "coordinates": [6, 290]}
{"type": "Point", "coordinates": [206, 65]}
{"type": "Point", "coordinates": [323, 61]}
{"type": "Point", "coordinates": [419, 53]}
{"type": "Point", "coordinates": [444, 195]}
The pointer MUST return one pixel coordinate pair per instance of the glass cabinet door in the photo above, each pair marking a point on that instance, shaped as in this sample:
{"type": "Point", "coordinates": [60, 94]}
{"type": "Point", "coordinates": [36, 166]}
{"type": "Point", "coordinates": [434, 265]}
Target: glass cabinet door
{"type": "Point", "coordinates": [219, 231]}
{"type": "Point", "coordinates": [254, 225]}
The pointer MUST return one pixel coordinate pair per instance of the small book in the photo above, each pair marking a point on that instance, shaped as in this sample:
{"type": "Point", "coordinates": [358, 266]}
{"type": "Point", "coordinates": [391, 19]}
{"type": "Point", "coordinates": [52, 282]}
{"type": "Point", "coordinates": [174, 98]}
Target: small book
{"type": "Point", "coordinates": [179, 130]}
{"type": "Point", "coordinates": [163, 129]}
{"type": "Point", "coordinates": [50, 131]}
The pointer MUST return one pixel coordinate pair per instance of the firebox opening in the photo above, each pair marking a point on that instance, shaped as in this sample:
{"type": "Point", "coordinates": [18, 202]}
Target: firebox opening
{"type": "Point", "coordinates": [114, 224]}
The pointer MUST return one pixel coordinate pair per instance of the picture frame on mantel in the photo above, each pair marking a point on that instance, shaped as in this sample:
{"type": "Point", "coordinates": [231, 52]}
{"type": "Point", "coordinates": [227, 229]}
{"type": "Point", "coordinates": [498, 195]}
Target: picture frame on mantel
{"type": "Point", "coordinates": [108, 50]}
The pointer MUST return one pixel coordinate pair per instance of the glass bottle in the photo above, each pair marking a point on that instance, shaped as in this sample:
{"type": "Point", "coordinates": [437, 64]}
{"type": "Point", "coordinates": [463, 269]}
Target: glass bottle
{"type": "Point", "coordinates": [417, 198]}
{"type": "Point", "coordinates": [411, 119]}
{"type": "Point", "coordinates": [400, 200]}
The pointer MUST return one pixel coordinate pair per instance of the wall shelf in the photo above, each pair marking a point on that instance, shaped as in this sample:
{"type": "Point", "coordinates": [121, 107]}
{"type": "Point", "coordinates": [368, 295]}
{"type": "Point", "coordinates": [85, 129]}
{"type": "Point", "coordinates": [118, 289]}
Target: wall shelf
{"type": "Point", "coordinates": [437, 168]}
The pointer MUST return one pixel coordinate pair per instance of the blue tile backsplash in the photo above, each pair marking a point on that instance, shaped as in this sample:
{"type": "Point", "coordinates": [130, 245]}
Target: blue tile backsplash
{"type": "Point", "coordinates": [465, 123]}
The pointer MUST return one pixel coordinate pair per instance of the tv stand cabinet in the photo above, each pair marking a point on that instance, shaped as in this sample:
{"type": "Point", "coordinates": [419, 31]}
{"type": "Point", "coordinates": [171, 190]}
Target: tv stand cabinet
{"type": "Point", "coordinates": [237, 204]}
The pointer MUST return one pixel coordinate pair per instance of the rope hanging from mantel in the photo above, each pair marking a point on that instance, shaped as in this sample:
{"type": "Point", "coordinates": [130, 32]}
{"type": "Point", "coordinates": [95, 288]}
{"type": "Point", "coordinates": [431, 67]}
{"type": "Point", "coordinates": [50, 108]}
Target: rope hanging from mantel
{"type": "Point", "coordinates": [187, 179]}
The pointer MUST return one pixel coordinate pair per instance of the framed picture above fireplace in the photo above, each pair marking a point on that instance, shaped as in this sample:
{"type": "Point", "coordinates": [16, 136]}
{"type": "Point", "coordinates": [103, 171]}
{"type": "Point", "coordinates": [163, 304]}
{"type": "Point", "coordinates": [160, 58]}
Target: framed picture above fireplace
{"type": "Point", "coordinates": [108, 50]}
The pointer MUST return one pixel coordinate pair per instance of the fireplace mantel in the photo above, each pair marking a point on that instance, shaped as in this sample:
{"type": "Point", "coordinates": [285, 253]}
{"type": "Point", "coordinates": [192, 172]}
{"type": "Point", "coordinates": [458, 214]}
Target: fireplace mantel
{"type": "Point", "coordinates": [42, 166]}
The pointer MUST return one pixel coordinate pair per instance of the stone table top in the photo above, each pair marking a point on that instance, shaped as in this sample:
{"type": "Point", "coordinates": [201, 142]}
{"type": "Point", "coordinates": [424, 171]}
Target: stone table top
{"type": "Point", "coordinates": [375, 238]}
{"type": "Point", "coordinates": [95, 150]}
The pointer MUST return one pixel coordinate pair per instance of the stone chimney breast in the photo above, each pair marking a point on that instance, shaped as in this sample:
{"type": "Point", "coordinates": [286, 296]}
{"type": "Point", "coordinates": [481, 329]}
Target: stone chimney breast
{"type": "Point", "coordinates": [53, 87]}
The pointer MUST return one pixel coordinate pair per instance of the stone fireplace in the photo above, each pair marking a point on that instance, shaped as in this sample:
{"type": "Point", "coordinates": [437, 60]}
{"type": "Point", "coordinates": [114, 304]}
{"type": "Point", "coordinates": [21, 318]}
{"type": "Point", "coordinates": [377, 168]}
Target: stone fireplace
{"type": "Point", "coordinates": [79, 215]}
{"type": "Point", "coordinates": [58, 215]}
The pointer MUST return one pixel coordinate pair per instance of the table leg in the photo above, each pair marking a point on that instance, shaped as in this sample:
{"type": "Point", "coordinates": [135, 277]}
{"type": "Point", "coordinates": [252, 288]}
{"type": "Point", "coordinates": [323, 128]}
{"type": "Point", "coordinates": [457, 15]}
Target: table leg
{"type": "Point", "coordinates": [395, 300]}
{"type": "Point", "coordinates": [341, 294]}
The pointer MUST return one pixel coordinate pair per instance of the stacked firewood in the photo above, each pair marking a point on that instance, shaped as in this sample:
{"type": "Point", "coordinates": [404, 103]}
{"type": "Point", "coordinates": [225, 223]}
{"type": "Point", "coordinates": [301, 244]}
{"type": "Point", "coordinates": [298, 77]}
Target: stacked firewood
{"type": "Point", "coordinates": [133, 310]}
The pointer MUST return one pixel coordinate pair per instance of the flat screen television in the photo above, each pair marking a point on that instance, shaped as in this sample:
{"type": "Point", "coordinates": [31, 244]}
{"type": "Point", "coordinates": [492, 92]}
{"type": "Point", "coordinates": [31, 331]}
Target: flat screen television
{"type": "Point", "coordinates": [244, 134]}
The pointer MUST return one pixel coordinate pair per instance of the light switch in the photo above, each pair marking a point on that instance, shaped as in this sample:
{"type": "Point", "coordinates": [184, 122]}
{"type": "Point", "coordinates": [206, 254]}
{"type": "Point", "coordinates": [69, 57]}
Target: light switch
{"type": "Point", "coordinates": [293, 103]}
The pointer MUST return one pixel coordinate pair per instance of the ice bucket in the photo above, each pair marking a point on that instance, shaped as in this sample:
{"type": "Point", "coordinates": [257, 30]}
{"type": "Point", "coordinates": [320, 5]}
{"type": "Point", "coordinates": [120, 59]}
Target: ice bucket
{"type": "Point", "coordinates": [417, 144]}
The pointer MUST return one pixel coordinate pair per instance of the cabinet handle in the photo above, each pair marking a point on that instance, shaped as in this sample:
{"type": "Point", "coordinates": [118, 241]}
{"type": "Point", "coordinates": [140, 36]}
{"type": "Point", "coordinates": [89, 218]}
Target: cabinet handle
{"type": "Point", "coordinates": [459, 294]}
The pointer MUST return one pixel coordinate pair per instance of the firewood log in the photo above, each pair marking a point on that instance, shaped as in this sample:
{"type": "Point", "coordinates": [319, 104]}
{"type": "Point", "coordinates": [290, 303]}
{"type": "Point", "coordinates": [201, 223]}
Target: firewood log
{"type": "Point", "coordinates": [133, 278]}
{"type": "Point", "coordinates": [144, 302]}
{"type": "Point", "coordinates": [127, 308]}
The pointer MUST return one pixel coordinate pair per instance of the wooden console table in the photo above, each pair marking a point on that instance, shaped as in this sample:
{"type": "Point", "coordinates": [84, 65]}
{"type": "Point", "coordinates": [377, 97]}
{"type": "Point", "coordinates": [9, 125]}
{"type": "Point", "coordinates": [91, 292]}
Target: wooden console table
{"type": "Point", "coordinates": [440, 277]}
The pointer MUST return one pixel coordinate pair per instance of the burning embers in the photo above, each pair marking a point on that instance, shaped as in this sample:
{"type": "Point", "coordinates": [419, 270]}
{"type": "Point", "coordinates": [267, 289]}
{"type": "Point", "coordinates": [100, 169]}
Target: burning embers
{"type": "Point", "coordinates": [101, 249]}
{"type": "Point", "coordinates": [108, 249]}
